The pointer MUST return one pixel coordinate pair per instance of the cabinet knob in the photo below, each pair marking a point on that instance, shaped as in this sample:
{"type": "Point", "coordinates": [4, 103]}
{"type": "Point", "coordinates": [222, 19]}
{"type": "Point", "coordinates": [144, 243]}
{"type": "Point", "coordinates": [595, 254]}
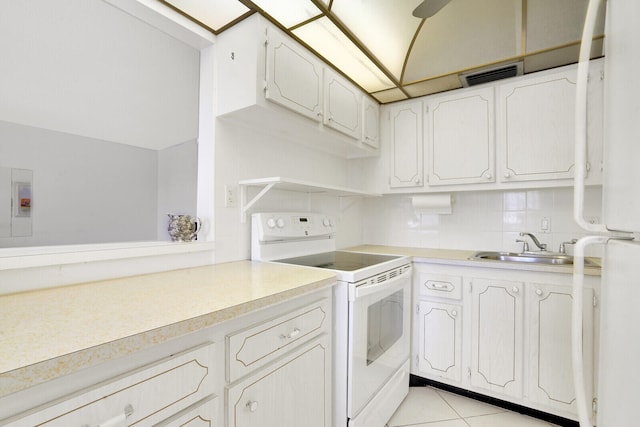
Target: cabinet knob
{"type": "Point", "coordinates": [417, 181]}
{"type": "Point", "coordinates": [539, 292]}
{"type": "Point", "coordinates": [319, 113]}
{"type": "Point", "coordinates": [454, 313]}
{"type": "Point", "coordinates": [515, 289]}
{"type": "Point", "coordinates": [488, 175]}
{"type": "Point", "coordinates": [507, 175]}
{"type": "Point", "coordinates": [252, 405]}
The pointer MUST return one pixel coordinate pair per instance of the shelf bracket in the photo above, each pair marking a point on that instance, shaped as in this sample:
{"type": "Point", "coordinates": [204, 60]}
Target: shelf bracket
{"type": "Point", "coordinates": [246, 205]}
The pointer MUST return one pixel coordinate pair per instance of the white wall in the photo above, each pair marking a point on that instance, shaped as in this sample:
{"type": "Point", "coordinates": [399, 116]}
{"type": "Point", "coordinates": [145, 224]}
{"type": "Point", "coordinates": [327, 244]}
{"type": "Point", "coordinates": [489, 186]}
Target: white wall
{"type": "Point", "coordinates": [242, 153]}
{"type": "Point", "coordinates": [484, 220]}
{"type": "Point", "coordinates": [177, 183]}
{"type": "Point", "coordinates": [84, 190]}
{"type": "Point", "coordinates": [84, 67]}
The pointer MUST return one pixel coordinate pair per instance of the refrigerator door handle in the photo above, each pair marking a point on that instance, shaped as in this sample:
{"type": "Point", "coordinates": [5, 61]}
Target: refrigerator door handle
{"type": "Point", "coordinates": [576, 326]}
{"type": "Point", "coordinates": [580, 147]}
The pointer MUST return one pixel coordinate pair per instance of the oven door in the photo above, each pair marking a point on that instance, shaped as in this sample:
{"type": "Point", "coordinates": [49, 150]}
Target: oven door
{"type": "Point", "coordinates": [378, 337]}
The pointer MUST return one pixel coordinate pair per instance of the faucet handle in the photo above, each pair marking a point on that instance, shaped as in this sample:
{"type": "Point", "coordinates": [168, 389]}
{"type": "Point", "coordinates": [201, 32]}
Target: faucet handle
{"type": "Point", "coordinates": [525, 245]}
{"type": "Point", "coordinates": [562, 248]}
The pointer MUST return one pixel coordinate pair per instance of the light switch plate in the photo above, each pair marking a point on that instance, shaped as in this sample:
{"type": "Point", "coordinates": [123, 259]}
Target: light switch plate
{"type": "Point", "coordinates": [230, 196]}
{"type": "Point", "coordinates": [545, 224]}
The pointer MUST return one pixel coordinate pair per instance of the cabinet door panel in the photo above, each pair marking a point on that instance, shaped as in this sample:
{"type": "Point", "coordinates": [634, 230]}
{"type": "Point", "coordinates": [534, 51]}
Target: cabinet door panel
{"type": "Point", "coordinates": [551, 376]}
{"type": "Point", "coordinates": [295, 392]}
{"type": "Point", "coordinates": [294, 77]}
{"type": "Point", "coordinates": [440, 340]}
{"type": "Point", "coordinates": [342, 105]}
{"type": "Point", "coordinates": [370, 122]}
{"type": "Point", "coordinates": [537, 127]}
{"type": "Point", "coordinates": [497, 336]}
{"type": "Point", "coordinates": [406, 146]}
{"type": "Point", "coordinates": [461, 138]}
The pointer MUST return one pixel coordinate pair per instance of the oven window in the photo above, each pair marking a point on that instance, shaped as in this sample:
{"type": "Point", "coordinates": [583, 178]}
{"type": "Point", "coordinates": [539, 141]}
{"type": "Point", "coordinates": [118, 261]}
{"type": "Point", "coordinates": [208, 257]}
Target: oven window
{"type": "Point", "coordinates": [384, 325]}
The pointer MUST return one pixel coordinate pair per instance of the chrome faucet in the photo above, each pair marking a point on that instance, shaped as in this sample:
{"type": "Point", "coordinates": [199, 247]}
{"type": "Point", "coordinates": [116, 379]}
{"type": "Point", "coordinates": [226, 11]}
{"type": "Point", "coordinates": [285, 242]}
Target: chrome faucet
{"type": "Point", "coordinates": [541, 246]}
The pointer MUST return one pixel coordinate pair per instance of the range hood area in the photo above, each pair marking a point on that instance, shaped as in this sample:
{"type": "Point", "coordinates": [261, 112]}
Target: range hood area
{"type": "Point", "coordinates": [393, 55]}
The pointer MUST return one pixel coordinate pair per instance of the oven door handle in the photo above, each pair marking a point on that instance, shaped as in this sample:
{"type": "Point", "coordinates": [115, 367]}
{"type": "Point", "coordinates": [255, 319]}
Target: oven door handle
{"type": "Point", "coordinates": [356, 292]}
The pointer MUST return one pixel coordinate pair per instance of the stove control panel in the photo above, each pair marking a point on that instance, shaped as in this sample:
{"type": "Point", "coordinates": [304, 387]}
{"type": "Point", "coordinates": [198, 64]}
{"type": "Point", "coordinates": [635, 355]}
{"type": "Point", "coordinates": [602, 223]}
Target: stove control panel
{"type": "Point", "coordinates": [291, 225]}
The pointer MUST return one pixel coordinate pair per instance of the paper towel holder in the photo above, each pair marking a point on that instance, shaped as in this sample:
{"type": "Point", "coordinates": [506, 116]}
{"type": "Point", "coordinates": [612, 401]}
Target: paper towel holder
{"type": "Point", "coordinates": [440, 203]}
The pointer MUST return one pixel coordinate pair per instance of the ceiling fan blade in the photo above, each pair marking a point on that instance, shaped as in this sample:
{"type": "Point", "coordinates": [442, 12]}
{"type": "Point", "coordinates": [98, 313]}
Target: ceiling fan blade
{"type": "Point", "coordinates": [428, 8]}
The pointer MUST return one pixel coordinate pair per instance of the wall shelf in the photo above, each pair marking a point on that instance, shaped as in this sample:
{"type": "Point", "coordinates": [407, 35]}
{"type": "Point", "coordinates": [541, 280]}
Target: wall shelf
{"type": "Point", "coordinates": [288, 184]}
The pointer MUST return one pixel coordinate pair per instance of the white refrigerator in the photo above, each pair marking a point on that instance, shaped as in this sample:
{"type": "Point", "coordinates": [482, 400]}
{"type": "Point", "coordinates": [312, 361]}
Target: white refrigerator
{"type": "Point", "coordinates": [618, 396]}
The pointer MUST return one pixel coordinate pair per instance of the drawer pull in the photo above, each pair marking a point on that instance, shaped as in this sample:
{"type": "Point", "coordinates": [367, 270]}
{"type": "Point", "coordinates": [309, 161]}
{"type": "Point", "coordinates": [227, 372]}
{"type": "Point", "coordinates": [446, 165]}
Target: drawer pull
{"type": "Point", "coordinates": [118, 420]}
{"type": "Point", "coordinates": [252, 405]}
{"type": "Point", "coordinates": [291, 334]}
{"type": "Point", "coordinates": [438, 286]}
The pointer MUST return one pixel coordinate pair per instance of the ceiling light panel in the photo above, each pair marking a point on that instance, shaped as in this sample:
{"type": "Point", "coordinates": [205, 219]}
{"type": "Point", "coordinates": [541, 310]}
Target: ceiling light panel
{"type": "Point", "coordinates": [466, 34]}
{"type": "Point", "coordinates": [326, 39]}
{"type": "Point", "coordinates": [288, 12]}
{"type": "Point", "coordinates": [213, 13]}
{"type": "Point", "coordinates": [553, 23]}
{"type": "Point", "coordinates": [385, 27]}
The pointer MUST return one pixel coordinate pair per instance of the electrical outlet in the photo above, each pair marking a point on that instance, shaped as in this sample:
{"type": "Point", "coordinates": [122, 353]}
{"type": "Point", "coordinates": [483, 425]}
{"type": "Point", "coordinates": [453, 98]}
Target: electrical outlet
{"type": "Point", "coordinates": [545, 224]}
{"type": "Point", "coordinates": [230, 196]}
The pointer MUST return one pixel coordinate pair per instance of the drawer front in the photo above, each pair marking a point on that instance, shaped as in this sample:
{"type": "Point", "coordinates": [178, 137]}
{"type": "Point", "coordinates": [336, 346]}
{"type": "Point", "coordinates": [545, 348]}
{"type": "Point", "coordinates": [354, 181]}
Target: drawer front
{"type": "Point", "coordinates": [257, 345]}
{"type": "Point", "coordinates": [440, 285]}
{"type": "Point", "coordinates": [139, 398]}
{"type": "Point", "coordinates": [201, 414]}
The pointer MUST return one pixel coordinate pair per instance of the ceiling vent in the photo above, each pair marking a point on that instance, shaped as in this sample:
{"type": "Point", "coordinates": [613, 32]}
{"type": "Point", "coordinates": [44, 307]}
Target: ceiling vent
{"type": "Point", "coordinates": [491, 74]}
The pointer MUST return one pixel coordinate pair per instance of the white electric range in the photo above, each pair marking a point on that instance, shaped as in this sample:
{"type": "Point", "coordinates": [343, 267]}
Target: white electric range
{"type": "Point", "coordinates": [372, 302]}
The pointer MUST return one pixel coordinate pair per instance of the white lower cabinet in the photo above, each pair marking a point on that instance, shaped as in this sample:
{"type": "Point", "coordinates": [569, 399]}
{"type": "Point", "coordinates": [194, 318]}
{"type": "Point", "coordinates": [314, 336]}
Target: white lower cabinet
{"type": "Point", "coordinates": [497, 336]}
{"type": "Point", "coordinates": [503, 333]}
{"type": "Point", "coordinates": [268, 368]}
{"type": "Point", "coordinates": [201, 414]}
{"type": "Point", "coordinates": [440, 327]}
{"type": "Point", "coordinates": [143, 397]}
{"type": "Point", "coordinates": [294, 391]}
{"type": "Point", "coordinates": [550, 373]}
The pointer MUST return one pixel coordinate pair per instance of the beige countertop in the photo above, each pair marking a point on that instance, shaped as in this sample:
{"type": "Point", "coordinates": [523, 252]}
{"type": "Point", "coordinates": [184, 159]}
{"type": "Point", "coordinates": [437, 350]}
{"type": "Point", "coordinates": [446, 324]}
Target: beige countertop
{"type": "Point", "coordinates": [461, 257]}
{"type": "Point", "coordinates": [49, 333]}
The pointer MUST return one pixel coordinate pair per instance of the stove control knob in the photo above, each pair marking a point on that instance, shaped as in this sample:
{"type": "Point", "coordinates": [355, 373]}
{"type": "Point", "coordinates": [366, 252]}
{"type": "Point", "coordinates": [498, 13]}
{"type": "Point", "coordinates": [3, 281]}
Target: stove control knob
{"type": "Point", "coordinates": [326, 222]}
{"type": "Point", "coordinates": [280, 223]}
{"type": "Point", "coordinates": [271, 223]}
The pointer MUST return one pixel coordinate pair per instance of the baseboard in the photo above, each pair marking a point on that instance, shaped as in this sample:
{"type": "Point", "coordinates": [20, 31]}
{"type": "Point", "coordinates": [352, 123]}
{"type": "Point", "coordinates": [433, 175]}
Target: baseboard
{"type": "Point", "coordinates": [416, 381]}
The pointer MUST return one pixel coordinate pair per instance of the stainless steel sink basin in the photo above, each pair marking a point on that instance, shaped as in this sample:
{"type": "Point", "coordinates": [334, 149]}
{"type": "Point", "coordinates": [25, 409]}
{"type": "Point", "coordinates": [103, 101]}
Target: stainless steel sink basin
{"type": "Point", "coordinates": [542, 258]}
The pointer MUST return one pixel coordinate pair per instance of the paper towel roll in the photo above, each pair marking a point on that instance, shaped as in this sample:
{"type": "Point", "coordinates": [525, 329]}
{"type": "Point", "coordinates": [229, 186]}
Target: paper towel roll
{"type": "Point", "coordinates": [432, 203]}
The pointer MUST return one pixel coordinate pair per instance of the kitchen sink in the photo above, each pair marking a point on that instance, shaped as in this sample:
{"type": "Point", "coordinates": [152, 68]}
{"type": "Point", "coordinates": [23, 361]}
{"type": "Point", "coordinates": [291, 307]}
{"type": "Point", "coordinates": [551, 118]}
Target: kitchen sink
{"type": "Point", "coordinates": [534, 258]}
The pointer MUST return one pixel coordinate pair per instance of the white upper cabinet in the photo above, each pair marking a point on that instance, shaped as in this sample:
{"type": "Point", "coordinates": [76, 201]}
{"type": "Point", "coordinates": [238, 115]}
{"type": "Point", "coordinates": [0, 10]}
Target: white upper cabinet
{"type": "Point", "coordinates": [269, 82]}
{"type": "Point", "coordinates": [342, 104]}
{"type": "Point", "coordinates": [370, 122]}
{"type": "Point", "coordinates": [536, 132]}
{"type": "Point", "coordinates": [293, 76]}
{"type": "Point", "coordinates": [460, 137]}
{"type": "Point", "coordinates": [406, 167]}
{"type": "Point", "coordinates": [536, 125]}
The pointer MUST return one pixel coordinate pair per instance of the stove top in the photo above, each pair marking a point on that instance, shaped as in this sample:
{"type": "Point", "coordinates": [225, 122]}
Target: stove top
{"type": "Point", "coordinates": [340, 260]}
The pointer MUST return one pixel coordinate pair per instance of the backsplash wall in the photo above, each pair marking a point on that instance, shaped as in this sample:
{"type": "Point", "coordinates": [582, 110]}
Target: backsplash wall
{"type": "Point", "coordinates": [484, 220]}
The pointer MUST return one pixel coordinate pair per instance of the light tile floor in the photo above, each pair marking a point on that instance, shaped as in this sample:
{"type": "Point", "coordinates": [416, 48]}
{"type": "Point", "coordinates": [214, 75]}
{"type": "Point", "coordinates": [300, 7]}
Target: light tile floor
{"type": "Point", "coordinates": [431, 407]}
